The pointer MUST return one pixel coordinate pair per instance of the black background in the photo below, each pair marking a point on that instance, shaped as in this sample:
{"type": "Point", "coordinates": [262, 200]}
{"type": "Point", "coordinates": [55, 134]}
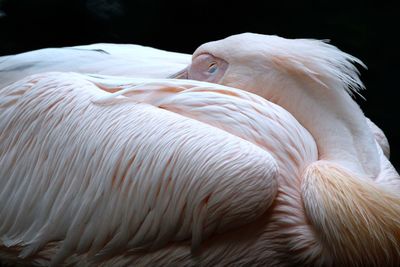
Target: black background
{"type": "Point", "coordinates": [365, 29]}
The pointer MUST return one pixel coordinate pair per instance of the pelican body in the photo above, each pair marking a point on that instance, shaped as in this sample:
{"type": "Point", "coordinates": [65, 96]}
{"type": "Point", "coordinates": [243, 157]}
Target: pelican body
{"type": "Point", "coordinates": [256, 156]}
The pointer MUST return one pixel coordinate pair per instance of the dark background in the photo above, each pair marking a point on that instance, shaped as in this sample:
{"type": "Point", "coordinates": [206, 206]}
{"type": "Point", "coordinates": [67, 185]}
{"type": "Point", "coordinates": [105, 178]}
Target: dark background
{"type": "Point", "coordinates": [365, 29]}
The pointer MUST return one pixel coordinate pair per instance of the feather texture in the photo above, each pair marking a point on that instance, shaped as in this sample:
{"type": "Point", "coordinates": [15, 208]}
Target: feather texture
{"type": "Point", "coordinates": [93, 175]}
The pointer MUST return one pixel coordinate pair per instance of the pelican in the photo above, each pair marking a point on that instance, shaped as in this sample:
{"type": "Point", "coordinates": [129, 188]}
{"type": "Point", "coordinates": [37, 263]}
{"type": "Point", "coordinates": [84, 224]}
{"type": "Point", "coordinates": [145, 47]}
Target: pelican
{"type": "Point", "coordinates": [134, 171]}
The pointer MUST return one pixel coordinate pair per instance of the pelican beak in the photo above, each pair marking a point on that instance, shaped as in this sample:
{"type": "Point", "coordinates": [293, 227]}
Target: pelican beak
{"type": "Point", "coordinates": [183, 74]}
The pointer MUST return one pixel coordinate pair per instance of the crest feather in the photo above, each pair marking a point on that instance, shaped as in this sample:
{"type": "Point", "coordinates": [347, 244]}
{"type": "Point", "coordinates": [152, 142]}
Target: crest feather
{"type": "Point", "coordinates": [321, 62]}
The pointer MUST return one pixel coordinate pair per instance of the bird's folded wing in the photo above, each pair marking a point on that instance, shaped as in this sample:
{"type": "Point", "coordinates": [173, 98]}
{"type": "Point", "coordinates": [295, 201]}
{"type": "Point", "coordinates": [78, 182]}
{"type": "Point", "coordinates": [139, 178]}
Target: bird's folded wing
{"type": "Point", "coordinates": [105, 178]}
{"type": "Point", "coordinates": [238, 112]}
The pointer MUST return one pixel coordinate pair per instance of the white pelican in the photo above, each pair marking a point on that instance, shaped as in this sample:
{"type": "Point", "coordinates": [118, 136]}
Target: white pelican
{"type": "Point", "coordinates": [107, 171]}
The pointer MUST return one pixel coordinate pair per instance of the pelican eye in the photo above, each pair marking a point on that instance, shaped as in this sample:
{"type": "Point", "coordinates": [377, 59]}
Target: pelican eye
{"type": "Point", "coordinates": [213, 68]}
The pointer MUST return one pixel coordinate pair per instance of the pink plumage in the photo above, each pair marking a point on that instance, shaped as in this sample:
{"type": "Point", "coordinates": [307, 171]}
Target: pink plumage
{"type": "Point", "coordinates": [141, 171]}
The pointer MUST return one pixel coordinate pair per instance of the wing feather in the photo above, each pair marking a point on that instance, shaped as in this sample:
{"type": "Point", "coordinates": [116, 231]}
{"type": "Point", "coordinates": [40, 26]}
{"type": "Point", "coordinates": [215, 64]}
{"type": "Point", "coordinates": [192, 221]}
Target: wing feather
{"type": "Point", "coordinates": [99, 179]}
